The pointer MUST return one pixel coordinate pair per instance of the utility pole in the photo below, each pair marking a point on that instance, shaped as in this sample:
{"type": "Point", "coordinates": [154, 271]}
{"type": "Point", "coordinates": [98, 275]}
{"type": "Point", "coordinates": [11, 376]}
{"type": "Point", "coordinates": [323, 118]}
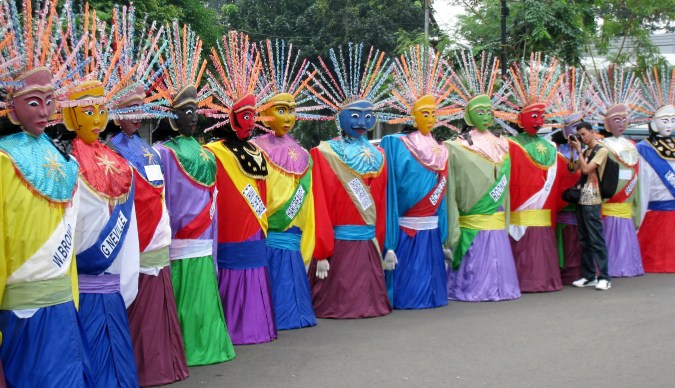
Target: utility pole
{"type": "Point", "coordinates": [505, 13]}
{"type": "Point", "coordinates": [427, 5]}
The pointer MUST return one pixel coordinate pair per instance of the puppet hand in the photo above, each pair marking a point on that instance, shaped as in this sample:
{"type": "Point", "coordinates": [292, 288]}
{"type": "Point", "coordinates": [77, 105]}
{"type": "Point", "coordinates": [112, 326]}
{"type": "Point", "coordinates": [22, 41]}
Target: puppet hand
{"type": "Point", "coordinates": [448, 254]}
{"type": "Point", "coordinates": [322, 267]}
{"type": "Point", "coordinates": [390, 260]}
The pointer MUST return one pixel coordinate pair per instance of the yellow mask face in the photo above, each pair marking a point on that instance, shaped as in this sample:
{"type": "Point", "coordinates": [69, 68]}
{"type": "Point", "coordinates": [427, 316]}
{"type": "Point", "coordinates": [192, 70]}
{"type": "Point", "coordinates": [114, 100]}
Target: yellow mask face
{"type": "Point", "coordinates": [280, 116]}
{"type": "Point", "coordinates": [424, 113]}
{"type": "Point", "coordinates": [90, 117]}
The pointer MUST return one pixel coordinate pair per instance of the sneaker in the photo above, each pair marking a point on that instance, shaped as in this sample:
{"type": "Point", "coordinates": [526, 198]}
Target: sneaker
{"type": "Point", "coordinates": [603, 285]}
{"type": "Point", "coordinates": [583, 282]}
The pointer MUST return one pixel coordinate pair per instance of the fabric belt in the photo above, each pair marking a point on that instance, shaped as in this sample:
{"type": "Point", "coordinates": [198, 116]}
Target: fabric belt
{"type": "Point", "coordinates": [242, 255]}
{"type": "Point", "coordinates": [419, 223]}
{"type": "Point", "coordinates": [99, 284]}
{"type": "Point", "coordinates": [37, 294]}
{"type": "Point", "coordinates": [566, 218]}
{"type": "Point", "coordinates": [537, 217]}
{"type": "Point", "coordinates": [662, 205]}
{"type": "Point", "coordinates": [496, 221]}
{"type": "Point", "coordinates": [619, 210]}
{"type": "Point", "coordinates": [284, 240]}
{"type": "Point", "coordinates": [189, 248]}
{"type": "Point", "coordinates": [354, 232]}
{"type": "Point", "coordinates": [158, 258]}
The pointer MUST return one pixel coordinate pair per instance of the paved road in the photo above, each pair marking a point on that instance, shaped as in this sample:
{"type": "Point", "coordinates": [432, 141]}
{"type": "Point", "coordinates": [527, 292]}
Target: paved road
{"type": "Point", "coordinates": [624, 337]}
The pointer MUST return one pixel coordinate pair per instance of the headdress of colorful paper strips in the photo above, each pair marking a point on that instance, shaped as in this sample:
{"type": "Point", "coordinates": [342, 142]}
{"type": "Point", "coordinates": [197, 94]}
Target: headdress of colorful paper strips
{"type": "Point", "coordinates": [530, 84]}
{"type": "Point", "coordinates": [417, 73]}
{"type": "Point", "coordinates": [360, 78]}
{"type": "Point", "coordinates": [658, 92]}
{"type": "Point", "coordinates": [139, 71]}
{"type": "Point", "coordinates": [613, 86]}
{"type": "Point", "coordinates": [184, 67]}
{"type": "Point", "coordinates": [471, 81]}
{"type": "Point", "coordinates": [280, 69]}
{"type": "Point", "coordinates": [28, 44]}
{"type": "Point", "coordinates": [575, 94]}
{"type": "Point", "coordinates": [108, 56]}
{"type": "Point", "coordinates": [237, 80]}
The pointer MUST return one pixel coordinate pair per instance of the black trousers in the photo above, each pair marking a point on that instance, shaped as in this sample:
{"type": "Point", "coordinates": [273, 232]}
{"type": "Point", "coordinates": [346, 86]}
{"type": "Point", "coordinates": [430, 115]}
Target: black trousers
{"type": "Point", "coordinates": [593, 245]}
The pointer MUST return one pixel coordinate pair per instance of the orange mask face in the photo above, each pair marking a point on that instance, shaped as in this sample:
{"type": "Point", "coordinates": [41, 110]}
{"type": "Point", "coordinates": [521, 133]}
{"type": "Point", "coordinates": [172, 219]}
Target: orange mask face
{"type": "Point", "coordinates": [280, 116]}
{"type": "Point", "coordinates": [90, 116]}
{"type": "Point", "coordinates": [424, 113]}
{"type": "Point", "coordinates": [32, 106]}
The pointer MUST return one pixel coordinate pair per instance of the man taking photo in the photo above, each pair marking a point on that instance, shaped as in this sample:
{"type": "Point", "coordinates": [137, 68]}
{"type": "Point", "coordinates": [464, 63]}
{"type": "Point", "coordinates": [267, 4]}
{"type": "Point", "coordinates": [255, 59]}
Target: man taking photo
{"type": "Point", "coordinates": [591, 163]}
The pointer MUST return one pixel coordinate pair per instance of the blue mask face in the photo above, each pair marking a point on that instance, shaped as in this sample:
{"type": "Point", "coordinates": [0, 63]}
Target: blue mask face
{"type": "Point", "coordinates": [357, 118]}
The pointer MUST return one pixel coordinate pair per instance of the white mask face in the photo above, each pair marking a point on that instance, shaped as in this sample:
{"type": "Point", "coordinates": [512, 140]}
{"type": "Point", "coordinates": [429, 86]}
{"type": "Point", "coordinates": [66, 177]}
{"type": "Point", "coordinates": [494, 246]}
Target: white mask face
{"type": "Point", "coordinates": [664, 120]}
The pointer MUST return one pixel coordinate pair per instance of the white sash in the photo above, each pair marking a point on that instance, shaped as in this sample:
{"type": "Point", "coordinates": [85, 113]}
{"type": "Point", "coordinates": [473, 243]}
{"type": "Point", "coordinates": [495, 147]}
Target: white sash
{"type": "Point", "coordinates": [536, 201]}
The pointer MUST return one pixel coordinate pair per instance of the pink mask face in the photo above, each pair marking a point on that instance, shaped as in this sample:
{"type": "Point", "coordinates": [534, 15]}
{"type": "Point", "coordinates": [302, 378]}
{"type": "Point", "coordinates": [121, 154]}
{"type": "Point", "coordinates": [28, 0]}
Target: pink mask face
{"type": "Point", "coordinates": [616, 119]}
{"type": "Point", "coordinates": [532, 118]}
{"type": "Point", "coordinates": [129, 127]}
{"type": "Point", "coordinates": [32, 106]}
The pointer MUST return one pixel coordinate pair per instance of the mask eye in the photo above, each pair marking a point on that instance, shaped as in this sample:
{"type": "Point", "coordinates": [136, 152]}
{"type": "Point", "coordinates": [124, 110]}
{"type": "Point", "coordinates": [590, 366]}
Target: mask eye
{"type": "Point", "coordinates": [426, 114]}
{"type": "Point", "coordinates": [48, 102]}
{"type": "Point", "coordinates": [32, 103]}
{"type": "Point", "coordinates": [355, 115]}
{"type": "Point", "coordinates": [188, 112]}
{"type": "Point", "coordinates": [534, 115]}
{"type": "Point", "coordinates": [368, 115]}
{"type": "Point", "coordinates": [89, 113]}
{"type": "Point", "coordinates": [281, 111]}
{"type": "Point", "coordinates": [102, 112]}
{"type": "Point", "coordinates": [247, 117]}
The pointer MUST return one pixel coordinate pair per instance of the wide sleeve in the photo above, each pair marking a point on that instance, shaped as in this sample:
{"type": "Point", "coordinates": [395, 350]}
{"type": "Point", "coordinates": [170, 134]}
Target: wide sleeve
{"type": "Point", "coordinates": [637, 200]}
{"type": "Point", "coordinates": [324, 238]}
{"type": "Point", "coordinates": [389, 146]}
{"type": "Point", "coordinates": [644, 186]}
{"type": "Point", "coordinates": [452, 232]}
{"type": "Point", "coordinates": [129, 261]}
{"type": "Point", "coordinates": [307, 217]}
{"type": "Point", "coordinates": [378, 190]}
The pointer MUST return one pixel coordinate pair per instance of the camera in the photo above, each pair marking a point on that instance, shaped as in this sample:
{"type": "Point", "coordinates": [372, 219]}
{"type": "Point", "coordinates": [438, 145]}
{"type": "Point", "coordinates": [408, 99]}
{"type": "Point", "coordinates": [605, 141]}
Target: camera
{"type": "Point", "coordinates": [575, 137]}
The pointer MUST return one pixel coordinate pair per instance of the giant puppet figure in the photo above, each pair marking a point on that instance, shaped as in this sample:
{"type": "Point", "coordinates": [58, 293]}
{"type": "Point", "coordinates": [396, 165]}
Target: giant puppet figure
{"type": "Point", "coordinates": [574, 97]}
{"type": "Point", "coordinates": [189, 178]}
{"type": "Point", "coordinates": [479, 168]}
{"type": "Point", "coordinates": [350, 179]}
{"type": "Point", "coordinates": [416, 183]}
{"type": "Point", "coordinates": [243, 275]}
{"type": "Point", "coordinates": [153, 321]}
{"type": "Point", "coordinates": [533, 188]}
{"type": "Point", "coordinates": [290, 202]}
{"type": "Point", "coordinates": [42, 342]}
{"type": "Point", "coordinates": [617, 93]}
{"type": "Point", "coordinates": [657, 172]}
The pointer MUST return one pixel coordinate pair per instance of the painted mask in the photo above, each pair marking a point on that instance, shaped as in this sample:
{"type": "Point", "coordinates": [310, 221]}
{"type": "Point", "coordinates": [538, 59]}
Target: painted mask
{"type": "Point", "coordinates": [185, 107]}
{"type": "Point", "coordinates": [280, 116]}
{"type": "Point", "coordinates": [424, 113]}
{"type": "Point", "coordinates": [616, 119]}
{"type": "Point", "coordinates": [89, 117]}
{"type": "Point", "coordinates": [478, 113]}
{"type": "Point", "coordinates": [531, 118]}
{"type": "Point", "coordinates": [570, 123]}
{"type": "Point", "coordinates": [357, 118]}
{"type": "Point", "coordinates": [32, 106]}
{"type": "Point", "coordinates": [242, 117]}
{"type": "Point", "coordinates": [133, 99]}
{"type": "Point", "coordinates": [664, 120]}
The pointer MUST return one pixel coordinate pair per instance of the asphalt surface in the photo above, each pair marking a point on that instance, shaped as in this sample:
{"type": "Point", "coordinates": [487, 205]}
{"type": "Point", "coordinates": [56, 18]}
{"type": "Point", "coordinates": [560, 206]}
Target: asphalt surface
{"type": "Point", "coordinates": [624, 337]}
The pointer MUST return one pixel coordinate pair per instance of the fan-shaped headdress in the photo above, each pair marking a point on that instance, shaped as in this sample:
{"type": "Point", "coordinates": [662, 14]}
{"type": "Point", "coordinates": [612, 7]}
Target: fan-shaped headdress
{"type": "Point", "coordinates": [473, 81]}
{"type": "Point", "coordinates": [575, 94]}
{"type": "Point", "coordinates": [658, 96]}
{"type": "Point", "coordinates": [352, 81]}
{"type": "Point", "coordinates": [281, 71]}
{"type": "Point", "coordinates": [236, 84]}
{"type": "Point", "coordinates": [529, 85]}
{"type": "Point", "coordinates": [421, 72]}
{"type": "Point", "coordinates": [613, 87]}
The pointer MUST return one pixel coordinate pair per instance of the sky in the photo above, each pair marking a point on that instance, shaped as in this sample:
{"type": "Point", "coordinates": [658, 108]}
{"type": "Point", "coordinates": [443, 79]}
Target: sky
{"type": "Point", "coordinates": [446, 14]}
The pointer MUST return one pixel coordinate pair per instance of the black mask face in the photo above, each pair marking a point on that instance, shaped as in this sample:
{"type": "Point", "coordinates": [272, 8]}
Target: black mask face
{"type": "Point", "coordinates": [186, 112]}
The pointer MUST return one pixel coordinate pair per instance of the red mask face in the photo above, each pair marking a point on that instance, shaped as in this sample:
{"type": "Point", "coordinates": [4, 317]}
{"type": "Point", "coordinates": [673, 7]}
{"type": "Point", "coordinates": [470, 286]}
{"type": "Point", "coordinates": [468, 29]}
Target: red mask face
{"type": "Point", "coordinates": [243, 117]}
{"type": "Point", "coordinates": [532, 118]}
